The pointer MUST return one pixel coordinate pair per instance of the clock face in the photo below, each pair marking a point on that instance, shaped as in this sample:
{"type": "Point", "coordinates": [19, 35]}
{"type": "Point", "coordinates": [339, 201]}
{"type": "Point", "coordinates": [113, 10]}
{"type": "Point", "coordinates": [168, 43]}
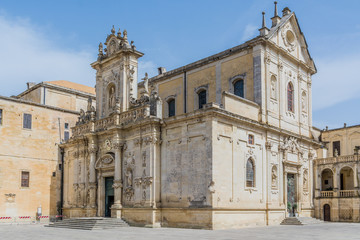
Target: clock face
{"type": "Point", "coordinates": [107, 144]}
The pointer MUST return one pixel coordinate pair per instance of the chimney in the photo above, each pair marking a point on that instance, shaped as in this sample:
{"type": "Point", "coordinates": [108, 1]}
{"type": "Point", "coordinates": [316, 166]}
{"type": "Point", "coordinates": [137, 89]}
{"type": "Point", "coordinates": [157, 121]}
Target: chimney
{"type": "Point", "coordinates": [161, 70]}
{"type": "Point", "coordinates": [30, 84]}
{"type": "Point", "coordinates": [263, 30]}
{"type": "Point", "coordinates": [275, 19]}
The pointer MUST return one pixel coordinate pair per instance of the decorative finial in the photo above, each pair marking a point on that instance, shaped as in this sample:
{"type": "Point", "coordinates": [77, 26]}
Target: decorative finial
{"type": "Point", "coordinates": [286, 11]}
{"type": "Point", "coordinates": [100, 49]}
{"type": "Point", "coordinates": [263, 20]}
{"type": "Point", "coordinates": [119, 33]}
{"type": "Point", "coordinates": [276, 11]}
{"type": "Point", "coordinates": [113, 30]}
{"type": "Point", "coordinates": [275, 19]}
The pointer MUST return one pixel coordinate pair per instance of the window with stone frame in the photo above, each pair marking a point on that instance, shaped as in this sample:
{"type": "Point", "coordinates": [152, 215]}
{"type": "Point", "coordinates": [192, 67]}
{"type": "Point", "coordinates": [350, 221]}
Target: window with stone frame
{"type": "Point", "coordinates": [27, 121]}
{"type": "Point", "coordinates": [290, 97]}
{"type": "Point", "coordinates": [171, 107]}
{"type": "Point", "coordinates": [66, 132]}
{"type": "Point", "coordinates": [239, 88]}
{"type": "Point", "coordinates": [1, 116]}
{"type": "Point", "coordinates": [25, 179]}
{"type": "Point", "coordinates": [202, 98]}
{"type": "Point", "coordinates": [251, 139]}
{"type": "Point", "coordinates": [250, 173]}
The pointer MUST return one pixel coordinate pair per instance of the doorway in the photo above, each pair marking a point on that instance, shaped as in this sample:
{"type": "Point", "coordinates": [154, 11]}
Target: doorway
{"type": "Point", "coordinates": [327, 216]}
{"type": "Point", "coordinates": [109, 195]}
{"type": "Point", "coordinates": [291, 194]}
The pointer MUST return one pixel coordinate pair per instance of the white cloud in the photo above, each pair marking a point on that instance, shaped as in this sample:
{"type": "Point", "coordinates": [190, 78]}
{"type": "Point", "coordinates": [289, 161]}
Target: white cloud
{"type": "Point", "coordinates": [146, 66]}
{"type": "Point", "coordinates": [249, 32]}
{"type": "Point", "coordinates": [337, 80]}
{"type": "Point", "coordinates": [29, 55]}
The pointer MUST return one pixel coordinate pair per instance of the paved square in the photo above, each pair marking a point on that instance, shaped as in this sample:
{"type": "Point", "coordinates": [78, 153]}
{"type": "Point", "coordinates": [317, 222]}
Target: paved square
{"type": "Point", "coordinates": [326, 231]}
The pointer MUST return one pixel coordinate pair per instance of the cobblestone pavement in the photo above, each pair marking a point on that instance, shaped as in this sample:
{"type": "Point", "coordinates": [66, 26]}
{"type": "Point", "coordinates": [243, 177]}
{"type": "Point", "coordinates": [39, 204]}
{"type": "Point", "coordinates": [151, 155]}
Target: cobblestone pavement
{"type": "Point", "coordinates": [338, 231]}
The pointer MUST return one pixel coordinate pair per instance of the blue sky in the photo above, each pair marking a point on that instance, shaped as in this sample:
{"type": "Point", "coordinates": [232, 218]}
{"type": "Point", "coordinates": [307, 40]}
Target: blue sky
{"type": "Point", "coordinates": [53, 40]}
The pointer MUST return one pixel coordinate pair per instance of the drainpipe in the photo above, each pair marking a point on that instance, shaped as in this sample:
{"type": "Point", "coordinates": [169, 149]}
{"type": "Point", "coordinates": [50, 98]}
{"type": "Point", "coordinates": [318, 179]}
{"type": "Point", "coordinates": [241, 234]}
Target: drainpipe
{"type": "Point", "coordinates": [62, 181]}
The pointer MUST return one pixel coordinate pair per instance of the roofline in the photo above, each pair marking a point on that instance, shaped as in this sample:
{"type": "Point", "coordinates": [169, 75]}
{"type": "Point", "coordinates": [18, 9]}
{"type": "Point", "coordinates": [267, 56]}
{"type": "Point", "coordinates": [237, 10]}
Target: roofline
{"type": "Point", "coordinates": [57, 87]}
{"type": "Point", "coordinates": [17, 100]}
{"type": "Point", "coordinates": [336, 129]}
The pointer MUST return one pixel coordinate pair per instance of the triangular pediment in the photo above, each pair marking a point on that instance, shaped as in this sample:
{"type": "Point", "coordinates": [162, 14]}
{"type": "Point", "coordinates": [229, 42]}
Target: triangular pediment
{"type": "Point", "coordinates": [288, 36]}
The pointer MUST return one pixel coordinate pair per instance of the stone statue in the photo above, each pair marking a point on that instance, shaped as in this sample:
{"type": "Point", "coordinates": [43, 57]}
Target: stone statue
{"type": "Point", "coordinates": [89, 106]}
{"type": "Point", "coordinates": [274, 177]}
{"type": "Point", "coordinates": [100, 49]}
{"type": "Point", "coordinates": [303, 102]}
{"type": "Point", "coordinates": [129, 177]}
{"type": "Point", "coordinates": [112, 98]}
{"type": "Point", "coordinates": [305, 180]}
{"type": "Point", "coordinates": [146, 83]}
{"type": "Point", "coordinates": [273, 89]}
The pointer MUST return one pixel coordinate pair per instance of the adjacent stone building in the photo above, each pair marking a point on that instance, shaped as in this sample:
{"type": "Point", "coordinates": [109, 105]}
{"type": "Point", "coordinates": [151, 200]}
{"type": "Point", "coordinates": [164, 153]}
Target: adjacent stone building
{"type": "Point", "coordinates": [32, 125]}
{"type": "Point", "coordinates": [224, 142]}
{"type": "Point", "coordinates": [337, 175]}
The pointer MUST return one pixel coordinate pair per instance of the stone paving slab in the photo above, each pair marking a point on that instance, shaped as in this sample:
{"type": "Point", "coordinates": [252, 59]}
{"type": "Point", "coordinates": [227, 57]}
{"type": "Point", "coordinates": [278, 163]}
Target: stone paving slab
{"type": "Point", "coordinates": [328, 231]}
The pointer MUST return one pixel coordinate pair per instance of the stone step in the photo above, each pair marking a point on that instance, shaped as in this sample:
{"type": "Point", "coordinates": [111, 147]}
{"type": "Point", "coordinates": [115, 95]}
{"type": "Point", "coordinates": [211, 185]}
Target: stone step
{"type": "Point", "coordinates": [90, 223]}
{"type": "Point", "coordinates": [300, 221]}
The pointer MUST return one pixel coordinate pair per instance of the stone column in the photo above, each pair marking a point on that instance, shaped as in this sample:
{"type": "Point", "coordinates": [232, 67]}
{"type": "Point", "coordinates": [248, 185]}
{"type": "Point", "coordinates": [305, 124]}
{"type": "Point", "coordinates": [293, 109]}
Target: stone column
{"type": "Point", "coordinates": [92, 172]}
{"type": "Point", "coordinates": [116, 207]}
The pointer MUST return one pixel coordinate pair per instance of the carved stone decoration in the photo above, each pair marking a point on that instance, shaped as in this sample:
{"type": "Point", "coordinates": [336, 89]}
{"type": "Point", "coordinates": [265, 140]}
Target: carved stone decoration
{"type": "Point", "coordinates": [291, 144]}
{"type": "Point", "coordinates": [106, 161]}
{"type": "Point", "coordinates": [144, 195]}
{"type": "Point", "coordinates": [129, 193]}
{"type": "Point", "coordinates": [274, 177]}
{"type": "Point", "coordinates": [10, 197]}
{"type": "Point", "coordinates": [117, 184]}
{"type": "Point", "coordinates": [211, 187]}
{"type": "Point", "coordinates": [107, 144]}
{"type": "Point", "coordinates": [130, 160]}
{"type": "Point", "coordinates": [268, 145]}
{"type": "Point", "coordinates": [129, 177]}
{"type": "Point", "coordinates": [111, 103]}
{"type": "Point", "coordinates": [288, 37]}
{"type": "Point", "coordinates": [144, 159]}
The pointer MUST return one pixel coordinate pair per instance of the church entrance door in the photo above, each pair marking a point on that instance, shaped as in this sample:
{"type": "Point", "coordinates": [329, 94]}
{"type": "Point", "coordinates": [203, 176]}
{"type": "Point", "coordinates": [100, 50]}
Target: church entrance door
{"type": "Point", "coordinates": [291, 194]}
{"type": "Point", "coordinates": [109, 195]}
{"type": "Point", "coordinates": [327, 212]}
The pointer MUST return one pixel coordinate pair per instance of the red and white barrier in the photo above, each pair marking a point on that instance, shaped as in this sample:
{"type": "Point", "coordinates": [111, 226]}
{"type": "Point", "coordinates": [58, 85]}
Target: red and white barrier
{"type": "Point", "coordinates": [43, 216]}
{"type": "Point", "coordinates": [59, 216]}
{"type": "Point", "coordinates": [24, 217]}
{"type": "Point", "coordinates": [5, 217]}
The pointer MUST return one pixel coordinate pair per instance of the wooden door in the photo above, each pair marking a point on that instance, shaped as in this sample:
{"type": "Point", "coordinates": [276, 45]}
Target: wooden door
{"type": "Point", "coordinates": [327, 212]}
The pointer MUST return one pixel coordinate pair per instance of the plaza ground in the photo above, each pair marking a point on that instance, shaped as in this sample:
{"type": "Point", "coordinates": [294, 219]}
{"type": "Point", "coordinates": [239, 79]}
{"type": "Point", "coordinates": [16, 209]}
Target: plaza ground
{"type": "Point", "coordinates": [338, 231]}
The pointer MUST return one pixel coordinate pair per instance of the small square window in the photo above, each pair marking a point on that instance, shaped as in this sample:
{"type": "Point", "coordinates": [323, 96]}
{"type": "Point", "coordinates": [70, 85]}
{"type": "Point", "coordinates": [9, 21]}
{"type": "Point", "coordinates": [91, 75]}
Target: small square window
{"type": "Point", "coordinates": [27, 121]}
{"type": "Point", "coordinates": [25, 179]}
{"type": "Point", "coordinates": [54, 174]}
{"type": "Point", "coordinates": [326, 181]}
{"type": "Point", "coordinates": [251, 139]}
{"type": "Point", "coordinates": [1, 116]}
{"type": "Point", "coordinates": [66, 125]}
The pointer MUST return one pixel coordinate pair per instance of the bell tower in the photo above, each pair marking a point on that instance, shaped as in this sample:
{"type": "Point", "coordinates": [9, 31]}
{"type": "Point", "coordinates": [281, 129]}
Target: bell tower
{"type": "Point", "coordinates": [116, 74]}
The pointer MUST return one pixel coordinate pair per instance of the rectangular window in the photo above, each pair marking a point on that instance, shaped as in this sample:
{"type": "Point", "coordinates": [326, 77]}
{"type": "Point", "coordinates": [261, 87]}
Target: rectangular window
{"type": "Point", "coordinates": [27, 121]}
{"type": "Point", "coordinates": [1, 116]}
{"type": "Point", "coordinates": [66, 135]}
{"type": "Point", "coordinates": [251, 139]}
{"type": "Point", "coordinates": [66, 125]}
{"type": "Point", "coordinates": [336, 148]}
{"type": "Point", "coordinates": [25, 178]}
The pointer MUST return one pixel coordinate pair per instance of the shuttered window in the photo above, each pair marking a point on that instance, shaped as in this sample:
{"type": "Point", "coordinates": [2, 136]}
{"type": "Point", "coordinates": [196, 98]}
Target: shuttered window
{"type": "Point", "coordinates": [239, 88]}
{"type": "Point", "coordinates": [27, 121]}
{"type": "Point", "coordinates": [171, 104]}
{"type": "Point", "coordinates": [25, 179]}
{"type": "Point", "coordinates": [202, 98]}
{"type": "Point", "coordinates": [250, 170]}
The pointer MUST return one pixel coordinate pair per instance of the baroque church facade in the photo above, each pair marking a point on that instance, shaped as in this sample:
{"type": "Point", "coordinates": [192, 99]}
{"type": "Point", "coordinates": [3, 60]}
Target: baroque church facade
{"type": "Point", "coordinates": [224, 142]}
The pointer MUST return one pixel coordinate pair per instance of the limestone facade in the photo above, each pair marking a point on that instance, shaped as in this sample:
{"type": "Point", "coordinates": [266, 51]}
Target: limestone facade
{"type": "Point", "coordinates": [337, 175]}
{"type": "Point", "coordinates": [30, 157]}
{"type": "Point", "coordinates": [224, 142]}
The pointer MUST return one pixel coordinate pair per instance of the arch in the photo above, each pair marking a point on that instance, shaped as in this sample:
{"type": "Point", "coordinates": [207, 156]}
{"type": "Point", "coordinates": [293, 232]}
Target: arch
{"type": "Point", "coordinates": [250, 173]}
{"type": "Point", "coordinates": [327, 180]}
{"type": "Point", "coordinates": [327, 212]}
{"type": "Point", "coordinates": [202, 98]}
{"type": "Point", "coordinates": [171, 107]}
{"type": "Point", "coordinates": [106, 161]}
{"type": "Point", "coordinates": [239, 87]}
{"type": "Point", "coordinates": [290, 97]}
{"type": "Point", "coordinates": [346, 178]}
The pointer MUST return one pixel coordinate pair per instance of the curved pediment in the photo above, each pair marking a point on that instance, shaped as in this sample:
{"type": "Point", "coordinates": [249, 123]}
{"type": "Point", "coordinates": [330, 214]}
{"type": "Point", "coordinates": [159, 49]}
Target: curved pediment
{"type": "Point", "coordinates": [106, 161]}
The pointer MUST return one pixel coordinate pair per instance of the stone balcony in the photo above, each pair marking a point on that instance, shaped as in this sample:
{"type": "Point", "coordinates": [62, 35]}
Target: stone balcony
{"type": "Point", "coordinates": [339, 194]}
{"type": "Point", "coordinates": [339, 159]}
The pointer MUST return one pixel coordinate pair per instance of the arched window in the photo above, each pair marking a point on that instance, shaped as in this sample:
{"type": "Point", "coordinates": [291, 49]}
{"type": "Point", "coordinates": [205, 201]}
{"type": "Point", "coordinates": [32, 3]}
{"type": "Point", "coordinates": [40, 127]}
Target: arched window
{"type": "Point", "coordinates": [171, 107]}
{"type": "Point", "coordinates": [202, 98]}
{"type": "Point", "coordinates": [239, 88]}
{"type": "Point", "coordinates": [290, 97]}
{"type": "Point", "coordinates": [250, 173]}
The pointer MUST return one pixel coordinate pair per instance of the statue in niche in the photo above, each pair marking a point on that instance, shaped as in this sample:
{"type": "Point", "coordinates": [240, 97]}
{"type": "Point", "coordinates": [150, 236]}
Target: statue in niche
{"type": "Point", "coordinates": [112, 100]}
{"type": "Point", "coordinates": [303, 102]}
{"type": "Point", "coordinates": [273, 89]}
{"type": "Point", "coordinates": [274, 177]}
{"type": "Point", "coordinates": [305, 180]}
{"type": "Point", "coordinates": [129, 177]}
